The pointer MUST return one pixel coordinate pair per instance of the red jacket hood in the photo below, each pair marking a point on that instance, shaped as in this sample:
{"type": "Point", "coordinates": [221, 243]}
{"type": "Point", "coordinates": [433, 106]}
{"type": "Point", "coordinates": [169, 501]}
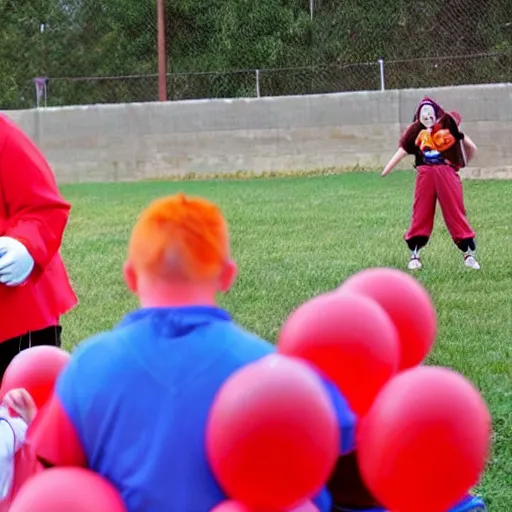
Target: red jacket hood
{"type": "Point", "coordinates": [428, 101]}
{"type": "Point", "coordinates": [437, 108]}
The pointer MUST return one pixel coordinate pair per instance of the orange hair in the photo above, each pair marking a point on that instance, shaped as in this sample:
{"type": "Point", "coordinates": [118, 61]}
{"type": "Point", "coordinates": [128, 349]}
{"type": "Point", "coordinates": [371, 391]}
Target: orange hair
{"type": "Point", "coordinates": [180, 235]}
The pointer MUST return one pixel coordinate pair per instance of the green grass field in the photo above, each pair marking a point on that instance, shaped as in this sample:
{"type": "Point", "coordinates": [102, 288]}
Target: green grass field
{"type": "Point", "coordinates": [296, 237]}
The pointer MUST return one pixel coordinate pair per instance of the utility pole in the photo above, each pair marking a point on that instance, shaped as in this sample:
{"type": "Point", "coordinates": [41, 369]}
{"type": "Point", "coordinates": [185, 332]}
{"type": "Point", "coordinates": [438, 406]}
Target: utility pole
{"type": "Point", "coordinates": [162, 54]}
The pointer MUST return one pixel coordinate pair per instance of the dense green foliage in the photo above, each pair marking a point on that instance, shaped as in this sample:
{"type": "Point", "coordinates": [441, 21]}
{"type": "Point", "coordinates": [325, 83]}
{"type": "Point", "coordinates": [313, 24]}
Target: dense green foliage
{"type": "Point", "coordinates": [321, 53]}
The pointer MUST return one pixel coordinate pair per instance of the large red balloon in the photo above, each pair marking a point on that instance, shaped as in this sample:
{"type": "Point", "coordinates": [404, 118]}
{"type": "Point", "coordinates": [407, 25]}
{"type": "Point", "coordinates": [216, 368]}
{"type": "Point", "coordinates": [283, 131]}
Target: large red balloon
{"type": "Point", "coordinates": [407, 303]}
{"type": "Point", "coordinates": [350, 338]}
{"type": "Point", "coordinates": [68, 489]}
{"type": "Point", "coordinates": [272, 434]}
{"type": "Point", "coordinates": [36, 369]}
{"type": "Point", "coordinates": [425, 441]}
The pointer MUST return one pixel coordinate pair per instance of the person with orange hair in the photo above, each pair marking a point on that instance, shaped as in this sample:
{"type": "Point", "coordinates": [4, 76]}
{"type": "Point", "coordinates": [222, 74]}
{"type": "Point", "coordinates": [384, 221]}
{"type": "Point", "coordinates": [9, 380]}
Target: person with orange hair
{"type": "Point", "coordinates": [133, 403]}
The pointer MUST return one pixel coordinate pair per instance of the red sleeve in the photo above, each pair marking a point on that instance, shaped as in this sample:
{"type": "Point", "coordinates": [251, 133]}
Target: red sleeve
{"type": "Point", "coordinates": [53, 437]}
{"type": "Point", "coordinates": [36, 212]}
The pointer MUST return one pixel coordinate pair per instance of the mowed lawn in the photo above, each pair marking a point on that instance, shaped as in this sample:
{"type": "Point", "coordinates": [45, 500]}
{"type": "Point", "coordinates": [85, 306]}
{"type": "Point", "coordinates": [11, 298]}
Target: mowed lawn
{"type": "Point", "coordinates": [297, 237]}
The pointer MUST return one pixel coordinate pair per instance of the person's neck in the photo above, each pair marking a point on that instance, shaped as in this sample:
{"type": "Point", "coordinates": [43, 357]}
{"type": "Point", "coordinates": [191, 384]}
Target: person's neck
{"type": "Point", "coordinates": [176, 296]}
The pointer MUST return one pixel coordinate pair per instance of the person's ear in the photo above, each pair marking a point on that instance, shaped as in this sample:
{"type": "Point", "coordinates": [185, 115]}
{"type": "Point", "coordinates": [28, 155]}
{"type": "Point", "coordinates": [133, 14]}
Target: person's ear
{"type": "Point", "coordinates": [130, 278]}
{"type": "Point", "coordinates": [228, 276]}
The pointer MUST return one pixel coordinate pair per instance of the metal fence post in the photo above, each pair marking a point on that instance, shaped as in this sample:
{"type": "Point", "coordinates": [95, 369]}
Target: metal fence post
{"type": "Point", "coordinates": [257, 83]}
{"type": "Point", "coordinates": [382, 81]}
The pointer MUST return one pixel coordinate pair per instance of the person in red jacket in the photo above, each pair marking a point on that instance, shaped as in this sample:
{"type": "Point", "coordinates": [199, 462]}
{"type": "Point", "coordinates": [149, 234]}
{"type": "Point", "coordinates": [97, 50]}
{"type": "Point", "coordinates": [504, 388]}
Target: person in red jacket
{"type": "Point", "coordinates": [34, 287]}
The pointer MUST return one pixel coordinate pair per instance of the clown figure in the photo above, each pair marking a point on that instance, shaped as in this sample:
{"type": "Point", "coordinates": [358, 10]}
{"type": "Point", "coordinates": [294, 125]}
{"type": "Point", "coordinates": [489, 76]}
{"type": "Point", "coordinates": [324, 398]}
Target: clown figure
{"type": "Point", "coordinates": [440, 150]}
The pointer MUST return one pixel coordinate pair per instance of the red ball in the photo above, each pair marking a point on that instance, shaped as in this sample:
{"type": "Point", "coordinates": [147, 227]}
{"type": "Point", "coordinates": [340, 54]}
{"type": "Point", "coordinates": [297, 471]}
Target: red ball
{"type": "Point", "coordinates": [35, 369]}
{"type": "Point", "coordinates": [68, 489]}
{"type": "Point", "coordinates": [272, 435]}
{"type": "Point", "coordinates": [407, 303]}
{"type": "Point", "coordinates": [425, 441]}
{"type": "Point", "coordinates": [348, 337]}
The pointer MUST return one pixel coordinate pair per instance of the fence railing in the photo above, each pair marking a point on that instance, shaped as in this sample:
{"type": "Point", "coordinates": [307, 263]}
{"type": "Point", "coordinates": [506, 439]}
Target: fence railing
{"type": "Point", "coordinates": [378, 75]}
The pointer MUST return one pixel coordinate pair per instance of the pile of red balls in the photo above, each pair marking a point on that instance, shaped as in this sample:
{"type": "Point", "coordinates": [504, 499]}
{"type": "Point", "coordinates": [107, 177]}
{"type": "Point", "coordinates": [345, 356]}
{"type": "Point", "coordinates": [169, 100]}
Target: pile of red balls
{"type": "Point", "coordinates": [423, 432]}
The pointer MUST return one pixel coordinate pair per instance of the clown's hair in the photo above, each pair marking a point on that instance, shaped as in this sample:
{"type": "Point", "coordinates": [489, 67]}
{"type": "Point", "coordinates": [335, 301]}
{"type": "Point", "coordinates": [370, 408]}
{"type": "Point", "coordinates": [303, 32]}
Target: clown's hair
{"type": "Point", "coordinates": [180, 236]}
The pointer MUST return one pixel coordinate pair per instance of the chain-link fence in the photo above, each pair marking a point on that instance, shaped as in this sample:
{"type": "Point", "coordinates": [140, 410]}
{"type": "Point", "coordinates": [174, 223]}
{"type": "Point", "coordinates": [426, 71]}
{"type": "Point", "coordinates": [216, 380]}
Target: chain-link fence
{"type": "Point", "coordinates": [105, 51]}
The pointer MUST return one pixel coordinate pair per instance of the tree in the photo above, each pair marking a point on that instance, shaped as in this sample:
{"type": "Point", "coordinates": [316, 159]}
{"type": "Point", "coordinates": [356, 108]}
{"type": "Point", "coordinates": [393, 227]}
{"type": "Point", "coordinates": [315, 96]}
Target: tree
{"type": "Point", "coordinates": [106, 50]}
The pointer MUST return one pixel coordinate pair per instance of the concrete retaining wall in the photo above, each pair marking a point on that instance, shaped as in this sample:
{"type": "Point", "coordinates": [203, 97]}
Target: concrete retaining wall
{"type": "Point", "coordinates": [150, 140]}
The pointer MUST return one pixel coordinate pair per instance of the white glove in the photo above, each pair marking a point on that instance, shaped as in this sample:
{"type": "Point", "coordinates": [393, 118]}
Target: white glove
{"type": "Point", "coordinates": [16, 263]}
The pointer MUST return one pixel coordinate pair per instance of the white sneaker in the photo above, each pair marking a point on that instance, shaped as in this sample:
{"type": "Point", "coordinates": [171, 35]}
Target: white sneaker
{"type": "Point", "coordinates": [414, 263]}
{"type": "Point", "coordinates": [470, 261]}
